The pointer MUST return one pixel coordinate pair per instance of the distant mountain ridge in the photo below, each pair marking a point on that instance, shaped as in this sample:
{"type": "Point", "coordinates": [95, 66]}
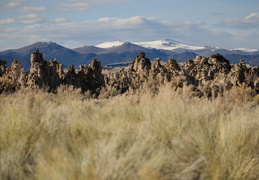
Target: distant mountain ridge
{"type": "Point", "coordinates": [50, 50]}
{"type": "Point", "coordinates": [119, 51]}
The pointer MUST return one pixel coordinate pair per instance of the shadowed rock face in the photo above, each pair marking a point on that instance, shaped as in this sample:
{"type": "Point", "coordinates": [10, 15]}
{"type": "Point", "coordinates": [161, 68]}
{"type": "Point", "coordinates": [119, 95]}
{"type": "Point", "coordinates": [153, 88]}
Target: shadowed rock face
{"type": "Point", "coordinates": [207, 75]}
{"type": "Point", "coordinates": [88, 77]}
{"type": "Point", "coordinates": [36, 57]}
{"type": "Point", "coordinates": [2, 67]}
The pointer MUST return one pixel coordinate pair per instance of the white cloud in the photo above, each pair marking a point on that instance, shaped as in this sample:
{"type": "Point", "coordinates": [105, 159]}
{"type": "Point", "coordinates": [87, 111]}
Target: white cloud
{"type": "Point", "coordinates": [100, 1]}
{"type": "Point", "coordinates": [30, 19]}
{"type": "Point", "coordinates": [82, 5]}
{"type": "Point", "coordinates": [13, 4]}
{"type": "Point", "coordinates": [59, 20]}
{"type": "Point", "coordinates": [20, 7]}
{"type": "Point", "coordinates": [23, 19]}
{"type": "Point", "coordinates": [18, 0]}
{"type": "Point", "coordinates": [77, 6]}
{"type": "Point", "coordinates": [128, 29]}
{"type": "Point", "coordinates": [250, 21]}
{"type": "Point", "coordinates": [7, 21]}
{"type": "Point", "coordinates": [28, 9]}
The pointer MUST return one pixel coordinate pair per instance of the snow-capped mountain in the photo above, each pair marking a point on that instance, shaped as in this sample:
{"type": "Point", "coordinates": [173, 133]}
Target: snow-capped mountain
{"type": "Point", "coordinates": [245, 50]}
{"type": "Point", "coordinates": [166, 44]}
{"type": "Point", "coordinates": [171, 45]}
{"type": "Point", "coordinates": [110, 44]}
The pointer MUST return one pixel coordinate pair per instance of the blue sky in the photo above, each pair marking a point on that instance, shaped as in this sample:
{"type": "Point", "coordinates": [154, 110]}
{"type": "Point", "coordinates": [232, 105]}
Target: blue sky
{"type": "Point", "coordinates": [75, 23]}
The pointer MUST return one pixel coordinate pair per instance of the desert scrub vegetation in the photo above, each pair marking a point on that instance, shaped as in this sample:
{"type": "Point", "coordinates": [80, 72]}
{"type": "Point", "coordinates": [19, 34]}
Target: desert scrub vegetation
{"type": "Point", "coordinates": [141, 135]}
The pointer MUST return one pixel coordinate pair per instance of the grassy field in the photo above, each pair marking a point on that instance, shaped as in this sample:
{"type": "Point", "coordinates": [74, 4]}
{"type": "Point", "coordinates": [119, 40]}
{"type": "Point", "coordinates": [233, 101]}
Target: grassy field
{"type": "Point", "coordinates": [139, 136]}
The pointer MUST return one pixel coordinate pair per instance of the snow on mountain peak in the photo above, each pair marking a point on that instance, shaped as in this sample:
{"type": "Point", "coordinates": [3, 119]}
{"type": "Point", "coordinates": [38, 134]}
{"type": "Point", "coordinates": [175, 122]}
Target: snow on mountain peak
{"type": "Point", "coordinates": [110, 44]}
{"type": "Point", "coordinates": [166, 44]}
{"type": "Point", "coordinates": [245, 49]}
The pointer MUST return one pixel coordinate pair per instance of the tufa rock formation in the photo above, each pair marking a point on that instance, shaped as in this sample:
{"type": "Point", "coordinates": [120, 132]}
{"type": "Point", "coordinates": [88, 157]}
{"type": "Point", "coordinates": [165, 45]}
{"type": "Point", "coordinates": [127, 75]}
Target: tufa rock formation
{"type": "Point", "coordinates": [206, 75]}
{"type": "Point", "coordinates": [49, 75]}
{"type": "Point", "coordinates": [2, 67]}
{"type": "Point", "coordinates": [88, 78]}
{"type": "Point", "coordinates": [13, 78]}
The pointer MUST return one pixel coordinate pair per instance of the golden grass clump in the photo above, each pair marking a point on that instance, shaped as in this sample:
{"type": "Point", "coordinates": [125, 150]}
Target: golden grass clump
{"type": "Point", "coordinates": [142, 136]}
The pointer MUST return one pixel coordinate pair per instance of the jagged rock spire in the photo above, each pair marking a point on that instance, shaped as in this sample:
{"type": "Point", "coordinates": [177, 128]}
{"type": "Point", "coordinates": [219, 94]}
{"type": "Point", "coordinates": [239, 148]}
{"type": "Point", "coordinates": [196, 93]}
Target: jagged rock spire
{"type": "Point", "coordinates": [36, 56]}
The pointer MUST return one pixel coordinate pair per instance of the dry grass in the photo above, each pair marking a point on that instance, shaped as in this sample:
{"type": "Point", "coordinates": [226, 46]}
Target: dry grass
{"type": "Point", "coordinates": [144, 137]}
